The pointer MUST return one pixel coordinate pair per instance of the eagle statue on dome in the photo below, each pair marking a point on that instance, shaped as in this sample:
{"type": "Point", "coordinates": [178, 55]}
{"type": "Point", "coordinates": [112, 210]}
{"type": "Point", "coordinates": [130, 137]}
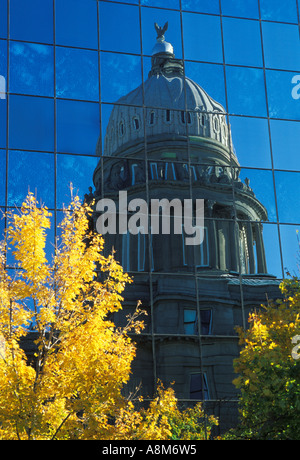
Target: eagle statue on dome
{"type": "Point", "coordinates": [161, 30]}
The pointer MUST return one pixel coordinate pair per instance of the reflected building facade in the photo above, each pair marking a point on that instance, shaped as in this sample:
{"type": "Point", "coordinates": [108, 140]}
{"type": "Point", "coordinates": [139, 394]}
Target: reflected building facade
{"type": "Point", "coordinates": [63, 66]}
{"type": "Point", "coordinates": [192, 294]}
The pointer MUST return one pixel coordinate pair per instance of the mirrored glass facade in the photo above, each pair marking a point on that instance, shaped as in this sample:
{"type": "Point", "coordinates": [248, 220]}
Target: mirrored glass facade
{"type": "Point", "coordinates": [82, 102]}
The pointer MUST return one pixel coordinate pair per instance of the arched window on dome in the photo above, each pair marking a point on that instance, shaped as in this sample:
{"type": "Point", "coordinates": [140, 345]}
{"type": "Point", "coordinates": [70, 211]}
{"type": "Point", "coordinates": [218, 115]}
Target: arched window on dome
{"type": "Point", "coordinates": [121, 128]}
{"type": "Point", "coordinates": [186, 116]}
{"type": "Point", "coordinates": [216, 124]}
{"type": "Point", "coordinates": [136, 123]}
{"type": "Point", "coordinates": [151, 118]}
{"type": "Point", "coordinates": [168, 116]}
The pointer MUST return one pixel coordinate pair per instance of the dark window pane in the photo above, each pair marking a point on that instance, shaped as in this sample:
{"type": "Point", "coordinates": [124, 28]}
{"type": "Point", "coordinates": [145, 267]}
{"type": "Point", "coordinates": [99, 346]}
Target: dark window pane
{"type": "Point", "coordinates": [244, 9]}
{"type": "Point", "coordinates": [31, 123]}
{"type": "Point", "coordinates": [173, 34]}
{"type": "Point", "coordinates": [201, 6]}
{"type": "Point", "coordinates": [246, 91]}
{"type": "Point", "coordinates": [75, 170]}
{"type": "Point", "coordinates": [119, 28]}
{"type": "Point", "coordinates": [242, 42]}
{"type": "Point", "coordinates": [198, 387]}
{"type": "Point", "coordinates": [287, 192]}
{"type": "Point", "coordinates": [30, 171]}
{"type": "Point", "coordinates": [2, 179]}
{"type": "Point", "coordinates": [285, 137]}
{"type": "Point", "coordinates": [282, 102]}
{"type": "Point", "coordinates": [250, 137]}
{"type": "Point", "coordinates": [3, 18]}
{"type": "Point", "coordinates": [116, 84]}
{"type": "Point", "coordinates": [194, 46]}
{"type": "Point", "coordinates": [31, 20]}
{"type": "Point", "coordinates": [77, 74]}
{"type": "Point", "coordinates": [32, 69]}
{"type": "Point", "coordinates": [281, 46]}
{"type": "Point", "coordinates": [76, 23]}
{"type": "Point", "coordinates": [78, 127]}
{"type": "Point", "coordinates": [277, 10]}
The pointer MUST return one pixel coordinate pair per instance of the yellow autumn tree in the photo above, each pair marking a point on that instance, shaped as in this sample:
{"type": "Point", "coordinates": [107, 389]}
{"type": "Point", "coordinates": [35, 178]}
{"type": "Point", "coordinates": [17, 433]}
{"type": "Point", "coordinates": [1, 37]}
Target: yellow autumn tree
{"type": "Point", "coordinates": [72, 387]}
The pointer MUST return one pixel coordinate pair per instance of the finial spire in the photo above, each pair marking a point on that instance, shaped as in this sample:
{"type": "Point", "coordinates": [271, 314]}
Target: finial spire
{"type": "Point", "coordinates": [161, 31]}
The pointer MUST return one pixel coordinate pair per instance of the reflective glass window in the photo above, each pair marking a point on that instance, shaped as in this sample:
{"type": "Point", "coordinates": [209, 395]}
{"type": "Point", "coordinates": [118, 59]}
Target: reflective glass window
{"type": "Point", "coordinates": [79, 26]}
{"type": "Point", "coordinates": [287, 192]}
{"type": "Point", "coordinates": [23, 177]}
{"type": "Point", "coordinates": [244, 9]}
{"type": "Point", "coordinates": [282, 94]}
{"type": "Point", "coordinates": [272, 249]}
{"type": "Point", "coordinates": [277, 10]}
{"type": "Point", "coordinates": [2, 222]}
{"type": "Point", "coordinates": [262, 185]}
{"type": "Point", "coordinates": [2, 179]}
{"type": "Point", "coordinates": [285, 137]}
{"type": "Point", "coordinates": [77, 74]}
{"type": "Point", "coordinates": [162, 3]}
{"type": "Point", "coordinates": [250, 137]}
{"type": "Point", "coordinates": [210, 77]}
{"type": "Point", "coordinates": [120, 74]}
{"type": "Point", "coordinates": [31, 20]}
{"type": "Point", "coordinates": [201, 6]}
{"type": "Point", "coordinates": [3, 62]}
{"type": "Point", "coordinates": [246, 91]}
{"type": "Point", "coordinates": [3, 18]}
{"type": "Point", "coordinates": [77, 126]}
{"type": "Point", "coordinates": [3, 123]}
{"type": "Point", "coordinates": [289, 236]}
{"type": "Point", "coordinates": [119, 28]}
{"type": "Point", "coordinates": [31, 123]}
{"type": "Point", "coordinates": [73, 169]}
{"type": "Point", "coordinates": [242, 42]}
{"type": "Point", "coordinates": [204, 46]}
{"type": "Point", "coordinates": [281, 46]}
{"type": "Point", "coordinates": [32, 69]}
{"type": "Point", "coordinates": [172, 35]}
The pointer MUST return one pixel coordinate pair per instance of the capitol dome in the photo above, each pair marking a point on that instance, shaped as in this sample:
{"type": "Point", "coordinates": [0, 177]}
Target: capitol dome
{"type": "Point", "coordinates": [175, 106]}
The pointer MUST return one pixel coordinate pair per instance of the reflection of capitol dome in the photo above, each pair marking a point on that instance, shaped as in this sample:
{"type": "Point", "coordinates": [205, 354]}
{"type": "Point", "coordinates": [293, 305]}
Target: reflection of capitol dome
{"type": "Point", "coordinates": [176, 105]}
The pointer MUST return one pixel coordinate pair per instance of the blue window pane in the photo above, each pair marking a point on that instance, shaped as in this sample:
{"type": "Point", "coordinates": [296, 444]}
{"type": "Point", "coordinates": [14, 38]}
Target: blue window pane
{"type": "Point", "coordinates": [210, 77]}
{"type": "Point", "coordinates": [3, 18]}
{"type": "Point", "coordinates": [172, 35]}
{"type": "Point", "coordinates": [2, 178]}
{"type": "Point", "coordinates": [282, 95]}
{"type": "Point", "coordinates": [76, 23]}
{"type": "Point", "coordinates": [285, 137]}
{"type": "Point", "coordinates": [204, 46]}
{"type": "Point", "coordinates": [120, 74]}
{"type": "Point", "coordinates": [272, 249]}
{"type": "Point", "coordinates": [3, 61]}
{"type": "Point", "coordinates": [31, 123]}
{"type": "Point", "coordinates": [119, 28]}
{"type": "Point", "coordinates": [262, 184]}
{"type": "Point", "coordinates": [30, 171]}
{"type": "Point", "coordinates": [77, 74]}
{"type": "Point", "coordinates": [242, 42]}
{"type": "Point", "coordinates": [246, 91]}
{"type": "Point", "coordinates": [287, 192]}
{"type": "Point", "coordinates": [3, 123]}
{"type": "Point", "coordinates": [75, 170]}
{"type": "Point", "coordinates": [31, 20]}
{"type": "Point", "coordinates": [281, 46]}
{"type": "Point", "coordinates": [162, 3]}
{"type": "Point", "coordinates": [277, 10]}
{"type": "Point", "coordinates": [78, 126]}
{"type": "Point", "coordinates": [290, 249]}
{"type": "Point", "coordinates": [32, 69]}
{"type": "Point", "coordinates": [201, 6]}
{"type": "Point", "coordinates": [250, 138]}
{"type": "Point", "coordinates": [244, 9]}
